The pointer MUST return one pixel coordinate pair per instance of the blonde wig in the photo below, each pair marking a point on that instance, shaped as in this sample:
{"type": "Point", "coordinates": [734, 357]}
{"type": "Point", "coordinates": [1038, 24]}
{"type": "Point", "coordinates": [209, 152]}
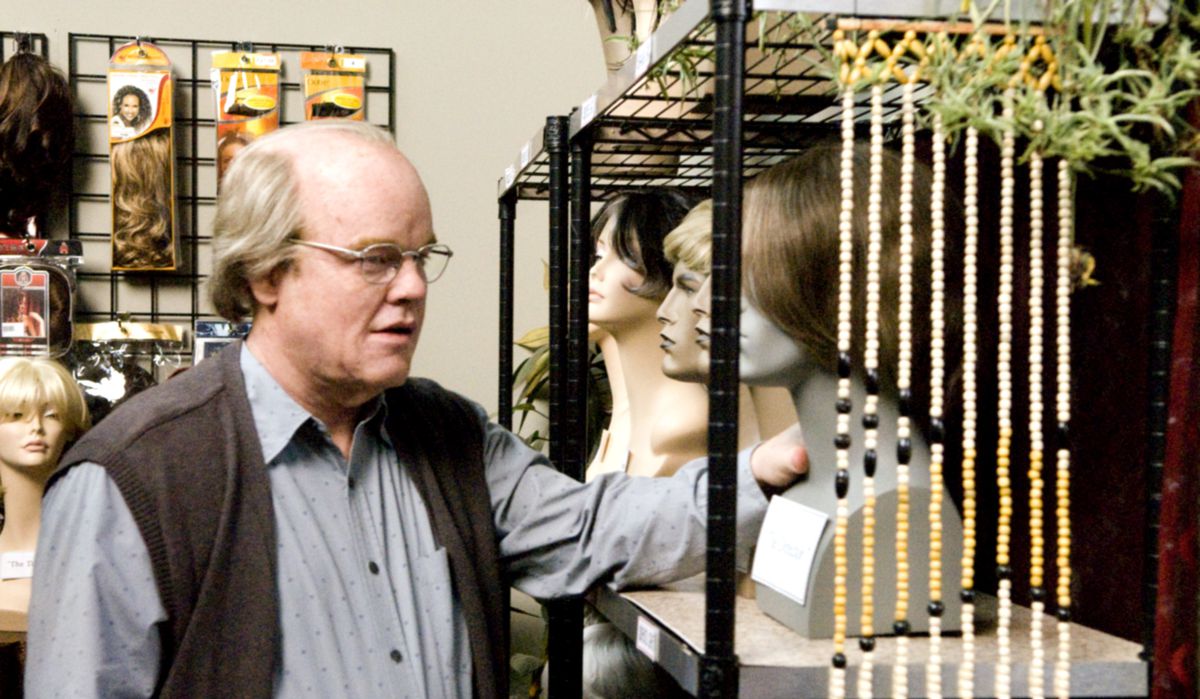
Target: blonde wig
{"type": "Point", "coordinates": [790, 251]}
{"type": "Point", "coordinates": [691, 241]}
{"type": "Point", "coordinates": [259, 210]}
{"type": "Point", "coordinates": [29, 385]}
{"type": "Point", "coordinates": [142, 220]}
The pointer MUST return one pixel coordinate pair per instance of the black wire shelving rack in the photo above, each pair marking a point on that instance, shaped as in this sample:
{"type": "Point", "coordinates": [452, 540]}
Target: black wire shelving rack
{"type": "Point", "coordinates": [755, 98]}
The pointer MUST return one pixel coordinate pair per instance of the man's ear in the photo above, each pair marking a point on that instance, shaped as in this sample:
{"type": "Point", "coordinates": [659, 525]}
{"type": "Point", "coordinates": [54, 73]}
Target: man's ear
{"type": "Point", "coordinates": [266, 287]}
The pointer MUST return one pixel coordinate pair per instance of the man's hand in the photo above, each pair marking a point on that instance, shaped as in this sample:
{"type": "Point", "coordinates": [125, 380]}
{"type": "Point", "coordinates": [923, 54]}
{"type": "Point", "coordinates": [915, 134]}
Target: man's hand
{"type": "Point", "coordinates": [781, 460]}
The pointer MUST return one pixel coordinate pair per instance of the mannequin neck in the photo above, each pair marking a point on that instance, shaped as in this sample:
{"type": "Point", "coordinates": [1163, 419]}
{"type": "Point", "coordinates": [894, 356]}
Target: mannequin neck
{"type": "Point", "coordinates": [22, 509]}
{"type": "Point", "coordinates": [616, 377]}
{"type": "Point", "coordinates": [641, 363]}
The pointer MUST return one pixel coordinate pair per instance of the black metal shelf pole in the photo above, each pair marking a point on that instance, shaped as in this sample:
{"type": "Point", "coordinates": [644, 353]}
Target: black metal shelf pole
{"type": "Point", "coordinates": [1163, 269]}
{"type": "Point", "coordinates": [719, 668]}
{"type": "Point", "coordinates": [508, 216]}
{"type": "Point", "coordinates": [575, 459]}
{"type": "Point", "coordinates": [566, 622]}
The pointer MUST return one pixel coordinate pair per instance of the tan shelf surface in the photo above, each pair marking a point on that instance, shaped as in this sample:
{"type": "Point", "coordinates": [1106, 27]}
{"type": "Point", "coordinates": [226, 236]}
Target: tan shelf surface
{"type": "Point", "coordinates": [776, 662]}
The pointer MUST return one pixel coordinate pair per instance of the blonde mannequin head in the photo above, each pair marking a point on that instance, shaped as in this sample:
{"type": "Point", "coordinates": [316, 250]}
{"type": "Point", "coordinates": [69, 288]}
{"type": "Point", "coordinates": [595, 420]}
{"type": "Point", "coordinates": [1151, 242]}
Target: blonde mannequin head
{"type": "Point", "coordinates": [34, 392]}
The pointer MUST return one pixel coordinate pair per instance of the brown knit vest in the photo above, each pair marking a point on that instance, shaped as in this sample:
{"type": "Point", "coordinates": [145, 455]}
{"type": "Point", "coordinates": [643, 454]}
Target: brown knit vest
{"type": "Point", "coordinates": [188, 462]}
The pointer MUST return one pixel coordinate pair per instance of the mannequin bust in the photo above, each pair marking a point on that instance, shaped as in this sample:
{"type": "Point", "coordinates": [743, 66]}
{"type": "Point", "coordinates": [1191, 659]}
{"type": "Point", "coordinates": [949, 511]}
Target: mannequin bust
{"type": "Point", "coordinates": [41, 410]}
{"type": "Point", "coordinates": [789, 330]}
{"type": "Point", "coordinates": [668, 419]}
{"type": "Point", "coordinates": [612, 454]}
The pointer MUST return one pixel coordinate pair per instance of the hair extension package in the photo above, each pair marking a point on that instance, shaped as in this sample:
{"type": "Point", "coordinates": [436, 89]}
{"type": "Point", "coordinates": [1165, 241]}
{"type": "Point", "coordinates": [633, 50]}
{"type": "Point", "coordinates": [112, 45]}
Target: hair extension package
{"type": "Point", "coordinates": [142, 157]}
{"type": "Point", "coordinates": [246, 87]}
{"type": "Point", "coordinates": [37, 292]}
{"type": "Point", "coordinates": [334, 85]}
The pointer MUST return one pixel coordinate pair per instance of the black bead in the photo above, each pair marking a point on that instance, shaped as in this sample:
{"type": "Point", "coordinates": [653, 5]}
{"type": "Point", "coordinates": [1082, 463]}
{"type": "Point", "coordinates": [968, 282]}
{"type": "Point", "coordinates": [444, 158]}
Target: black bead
{"type": "Point", "coordinates": [904, 450]}
{"type": "Point", "coordinates": [866, 644]}
{"type": "Point", "coordinates": [843, 365]}
{"type": "Point", "coordinates": [839, 660]}
{"type": "Point", "coordinates": [1003, 572]}
{"type": "Point", "coordinates": [870, 462]}
{"type": "Point", "coordinates": [871, 421]}
{"type": "Point", "coordinates": [842, 441]}
{"type": "Point", "coordinates": [873, 382]}
{"type": "Point", "coordinates": [1063, 435]}
{"type": "Point", "coordinates": [936, 608]}
{"type": "Point", "coordinates": [906, 399]}
{"type": "Point", "coordinates": [967, 596]}
{"type": "Point", "coordinates": [1037, 594]}
{"type": "Point", "coordinates": [937, 430]}
{"type": "Point", "coordinates": [900, 628]}
{"type": "Point", "coordinates": [1063, 614]}
{"type": "Point", "coordinates": [844, 406]}
{"type": "Point", "coordinates": [843, 482]}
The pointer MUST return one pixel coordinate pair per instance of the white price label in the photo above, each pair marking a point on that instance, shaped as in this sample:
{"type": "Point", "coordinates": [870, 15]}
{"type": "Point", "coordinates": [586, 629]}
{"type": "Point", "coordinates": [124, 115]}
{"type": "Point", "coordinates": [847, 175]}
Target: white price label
{"type": "Point", "coordinates": [354, 63]}
{"type": "Point", "coordinates": [525, 156]}
{"type": "Point", "coordinates": [510, 174]}
{"type": "Point", "coordinates": [642, 59]}
{"type": "Point", "coordinates": [647, 638]}
{"type": "Point", "coordinates": [588, 111]}
{"type": "Point", "coordinates": [267, 61]}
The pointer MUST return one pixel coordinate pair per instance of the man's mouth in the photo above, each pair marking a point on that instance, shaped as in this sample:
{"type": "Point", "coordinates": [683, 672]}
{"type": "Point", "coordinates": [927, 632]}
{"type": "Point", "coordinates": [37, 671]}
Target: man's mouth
{"type": "Point", "coordinates": [666, 344]}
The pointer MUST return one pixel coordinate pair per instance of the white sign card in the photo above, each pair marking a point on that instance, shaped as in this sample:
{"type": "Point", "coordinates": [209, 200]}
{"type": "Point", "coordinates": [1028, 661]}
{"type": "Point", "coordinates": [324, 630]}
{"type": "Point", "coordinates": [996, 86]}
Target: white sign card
{"type": "Point", "coordinates": [787, 546]}
{"type": "Point", "coordinates": [16, 564]}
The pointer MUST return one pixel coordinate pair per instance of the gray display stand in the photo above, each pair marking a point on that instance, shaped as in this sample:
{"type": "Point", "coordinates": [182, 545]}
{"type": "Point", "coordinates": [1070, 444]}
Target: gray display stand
{"type": "Point", "coordinates": [814, 619]}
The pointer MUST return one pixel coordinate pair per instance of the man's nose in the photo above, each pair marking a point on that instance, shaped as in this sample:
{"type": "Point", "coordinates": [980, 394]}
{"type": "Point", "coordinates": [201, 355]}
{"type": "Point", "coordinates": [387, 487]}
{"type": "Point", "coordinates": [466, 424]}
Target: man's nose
{"type": "Point", "coordinates": [408, 284]}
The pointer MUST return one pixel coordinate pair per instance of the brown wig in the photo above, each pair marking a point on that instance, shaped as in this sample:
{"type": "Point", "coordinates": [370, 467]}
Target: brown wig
{"type": "Point", "coordinates": [37, 134]}
{"type": "Point", "coordinates": [141, 194]}
{"type": "Point", "coordinates": [790, 253]}
{"type": "Point", "coordinates": [640, 221]}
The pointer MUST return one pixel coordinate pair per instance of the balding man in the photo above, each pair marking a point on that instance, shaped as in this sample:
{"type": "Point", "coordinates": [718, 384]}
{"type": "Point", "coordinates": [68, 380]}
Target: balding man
{"type": "Point", "coordinates": [299, 517]}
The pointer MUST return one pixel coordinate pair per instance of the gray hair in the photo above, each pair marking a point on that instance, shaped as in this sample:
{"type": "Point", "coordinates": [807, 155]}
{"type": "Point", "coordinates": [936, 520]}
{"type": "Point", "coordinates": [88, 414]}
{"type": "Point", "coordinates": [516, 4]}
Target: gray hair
{"type": "Point", "coordinates": [259, 210]}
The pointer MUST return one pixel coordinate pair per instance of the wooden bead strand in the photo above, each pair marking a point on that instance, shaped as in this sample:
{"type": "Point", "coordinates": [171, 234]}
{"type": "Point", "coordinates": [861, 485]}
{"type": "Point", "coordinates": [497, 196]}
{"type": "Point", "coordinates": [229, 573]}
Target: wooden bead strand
{"type": "Point", "coordinates": [966, 669]}
{"type": "Point", "coordinates": [1062, 401]}
{"type": "Point", "coordinates": [837, 679]}
{"type": "Point", "coordinates": [937, 364]}
{"type": "Point", "coordinates": [870, 418]}
{"type": "Point", "coordinates": [1037, 591]}
{"type": "Point", "coordinates": [1003, 686]}
{"type": "Point", "coordinates": [904, 389]}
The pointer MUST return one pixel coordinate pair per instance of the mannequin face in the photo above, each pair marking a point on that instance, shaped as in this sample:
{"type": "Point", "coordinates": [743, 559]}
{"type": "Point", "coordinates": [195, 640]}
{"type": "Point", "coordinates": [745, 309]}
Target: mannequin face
{"type": "Point", "coordinates": [611, 304]}
{"type": "Point", "coordinates": [33, 442]}
{"type": "Point", "coordinates": [129, 108]}
{"type": "Point", "coordinates": [769, 356]}
{"type": "Point", "coordinates": [681, 359]}
{"type": "Point", "coordinates": [701, 308]}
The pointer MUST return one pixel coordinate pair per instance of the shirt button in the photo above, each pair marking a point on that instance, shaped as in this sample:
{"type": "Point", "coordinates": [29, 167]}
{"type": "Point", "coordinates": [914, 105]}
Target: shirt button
{"type": "Point", "coordinates": [373, 567]}
{"type": "Point", "coordinates": [396, 656]}
{"type": "Point", "coordinates": [351, 482]}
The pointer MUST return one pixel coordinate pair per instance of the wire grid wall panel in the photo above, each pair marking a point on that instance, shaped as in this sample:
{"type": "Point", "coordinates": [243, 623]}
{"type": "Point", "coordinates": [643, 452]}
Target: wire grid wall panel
{"type": "Point", "coordinates": [175, 297]}
{"type": "Point", "coordinates": [10, 43]}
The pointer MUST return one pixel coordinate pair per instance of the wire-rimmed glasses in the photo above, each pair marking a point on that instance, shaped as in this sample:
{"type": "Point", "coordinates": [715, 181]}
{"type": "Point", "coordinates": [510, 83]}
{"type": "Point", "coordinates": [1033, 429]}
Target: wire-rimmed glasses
{"type": "Point", "coordinates": [380, 262]}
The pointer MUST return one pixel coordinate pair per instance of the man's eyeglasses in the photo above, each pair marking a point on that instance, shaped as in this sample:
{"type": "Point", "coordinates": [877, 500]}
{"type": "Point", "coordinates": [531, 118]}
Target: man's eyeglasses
{"type": "Point", "coordinates": [380, 262]}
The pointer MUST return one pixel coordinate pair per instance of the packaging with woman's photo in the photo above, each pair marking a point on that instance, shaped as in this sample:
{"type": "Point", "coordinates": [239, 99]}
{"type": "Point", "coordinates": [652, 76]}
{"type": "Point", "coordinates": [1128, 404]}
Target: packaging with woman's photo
{"type": "Point", "coordinates": [246, 88]}
{"type": "Point", "coordinates": [37, 292]}
{"type": "Point", "coordinates": [334, 85]}
{"type": "Point", "coordinates": [142, 156]}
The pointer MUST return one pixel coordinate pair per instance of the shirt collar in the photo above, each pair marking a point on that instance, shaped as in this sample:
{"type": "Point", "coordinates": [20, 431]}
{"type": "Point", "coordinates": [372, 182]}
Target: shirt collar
{"type": "Point", "coordinates": [277, 416]}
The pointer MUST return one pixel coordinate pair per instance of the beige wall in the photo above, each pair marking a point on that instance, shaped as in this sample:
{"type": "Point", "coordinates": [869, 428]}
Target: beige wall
{"type": "Point", "coordinates": [474, 80]}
